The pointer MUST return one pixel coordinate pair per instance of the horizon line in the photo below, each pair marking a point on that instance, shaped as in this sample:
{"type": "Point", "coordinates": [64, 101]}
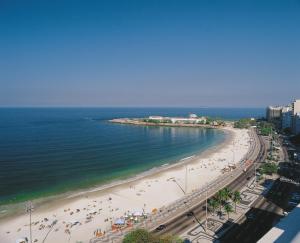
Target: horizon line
{"type": "Point", "coordinates": [94, 106]}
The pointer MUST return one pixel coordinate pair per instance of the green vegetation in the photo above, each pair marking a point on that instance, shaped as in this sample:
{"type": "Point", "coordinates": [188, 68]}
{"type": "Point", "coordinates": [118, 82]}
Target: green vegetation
{"type": "Point", "coordinates": [206, 121]}
{"type": "Point", "coordinates": [228, 209]}
{"type": "Point", "coordinates": [268, 168]}
{"type": "Point", "coordinates": [157, 121]}
{"type": "Point", "coordinates": [244, 123]}
{"type": "Point", "coordinates": [202, 122]}
{"type": "Point", "coordinates": [265, 128]}
{"type": "Point", "coordinates": [265, 131]}
{"type": "Point", "coordinates": [138, 236]}
{"type": "Point", "coordinates": [143, 236]}
{"type": "Point", "coordinates": [209, 120]}
{"type": "Point", "coordinates": [152, 121]}
{"type": "Point", "coordinates": [220, 197]}
{"type": "Point", "coordinates": [213, 204]}
{"type": "Point", "coordinates": [224, 199]}
{"type": "Point", "coordinates": [236, 198]}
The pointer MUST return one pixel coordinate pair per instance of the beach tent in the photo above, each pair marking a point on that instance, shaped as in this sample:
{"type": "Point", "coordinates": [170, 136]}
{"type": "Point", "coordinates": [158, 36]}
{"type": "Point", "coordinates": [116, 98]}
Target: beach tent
{"type": "Point", "coordinates": [120, 221]}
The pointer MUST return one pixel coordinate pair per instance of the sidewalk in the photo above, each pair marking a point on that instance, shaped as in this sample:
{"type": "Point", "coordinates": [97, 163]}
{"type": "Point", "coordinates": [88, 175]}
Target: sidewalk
{"type": "Point", "coordinates": [217, 225]}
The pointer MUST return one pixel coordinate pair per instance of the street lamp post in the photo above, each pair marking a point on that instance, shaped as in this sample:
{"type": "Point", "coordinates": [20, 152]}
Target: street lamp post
{"type": "Point", "coordinates": [29, 209]}
{"type": "Point", "coordinates": [206, 210]}
{"type": "Point", "coordinates": [255, 173]}
{"type": "Point", "coordinates": [233, 158]}
{"type": "Point", "coordinates": [186, 177]}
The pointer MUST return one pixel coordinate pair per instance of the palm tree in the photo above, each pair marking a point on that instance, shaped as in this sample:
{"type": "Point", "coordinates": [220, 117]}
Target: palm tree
{"type": "Point", "coordinates": [213, 204]}
{"type": "Point", "coordinates": [220, 197]}
{"type": "Point", "coordinates": [228, 209]}
{"type": "Point", "coordinates": [227, 193]}
{"type": "Point", "coordinates": [236, 198]}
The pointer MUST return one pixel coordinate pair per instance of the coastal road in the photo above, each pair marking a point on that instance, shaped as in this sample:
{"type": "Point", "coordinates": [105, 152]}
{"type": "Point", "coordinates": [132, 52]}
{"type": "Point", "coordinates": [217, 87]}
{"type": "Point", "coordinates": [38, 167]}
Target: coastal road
{"type": "Point", "coordinates": [183, 222]}
{"type": "Point", "coordinates": [174, 215]}
{"type": "Point", "coordinates": [266, 211]}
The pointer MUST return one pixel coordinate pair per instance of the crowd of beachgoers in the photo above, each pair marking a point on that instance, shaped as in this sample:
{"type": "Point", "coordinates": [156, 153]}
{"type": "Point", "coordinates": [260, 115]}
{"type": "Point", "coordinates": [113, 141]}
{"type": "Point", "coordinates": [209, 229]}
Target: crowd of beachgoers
{"type": "Point", "coordinates": [93, 213]}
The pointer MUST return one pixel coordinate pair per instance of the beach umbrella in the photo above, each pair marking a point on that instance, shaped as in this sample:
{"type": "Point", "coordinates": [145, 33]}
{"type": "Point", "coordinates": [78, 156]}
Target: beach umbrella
{"type": "Point", "coordinates": [120, 221]}
{"type": "Point", "coordinates": [154, 210]}
{"type": "Point", "coordinates": [137, 214]}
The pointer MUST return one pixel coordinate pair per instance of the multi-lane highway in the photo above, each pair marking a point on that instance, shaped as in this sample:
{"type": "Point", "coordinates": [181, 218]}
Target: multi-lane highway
{"type": "Point", "coordinates": [182, 222]}
{"type": "Point", "coordinates": [175, 218]}
{"type": "Point", "coordinates": [265, 211]}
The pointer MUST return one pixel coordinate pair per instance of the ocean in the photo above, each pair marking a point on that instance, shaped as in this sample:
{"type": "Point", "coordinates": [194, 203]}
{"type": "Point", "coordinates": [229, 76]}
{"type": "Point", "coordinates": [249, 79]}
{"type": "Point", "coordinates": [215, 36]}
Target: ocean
{"type": "Point", "coordinates": [47, 151]}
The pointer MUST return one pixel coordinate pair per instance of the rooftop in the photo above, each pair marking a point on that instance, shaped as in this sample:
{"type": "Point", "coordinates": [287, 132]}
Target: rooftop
{"type": "Point", "coordinates": [287, 230]}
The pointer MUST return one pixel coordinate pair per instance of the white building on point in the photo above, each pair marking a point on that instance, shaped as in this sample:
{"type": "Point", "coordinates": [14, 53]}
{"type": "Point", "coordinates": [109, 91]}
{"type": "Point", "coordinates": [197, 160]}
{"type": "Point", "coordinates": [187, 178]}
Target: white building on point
{"type": "Point", "coordinates": [180, 120]}
{"type": "Point", "coordinates": [193, 115]}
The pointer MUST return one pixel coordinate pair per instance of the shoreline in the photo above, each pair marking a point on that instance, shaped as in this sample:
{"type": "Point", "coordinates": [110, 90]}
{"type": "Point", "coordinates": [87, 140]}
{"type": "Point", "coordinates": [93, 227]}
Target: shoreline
{"type": "Point", "coordinates": [108, 202]}
{"type": "Point", "coordinates": [42, 202]}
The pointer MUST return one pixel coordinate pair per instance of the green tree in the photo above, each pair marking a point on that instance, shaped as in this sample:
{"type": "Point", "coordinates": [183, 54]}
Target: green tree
{"type": "Point", "coordinates": [168, 239]}
{"type": "Point", "coordinates": [269, 168]}
{"type": "Point", "coordinates": [209, 120]}
{"type": "Point", "coordinates": [143, 236]}
{"type": "Point", "coordinates": [213, 204]}
{"type": "Point", "coordinates": [228, 209]}
{"type": "Point", "coordinates": [236, 198]}
{"type": "Point", "coordinates": [139, 236]}
{"type": "Point", "coordinates": [220, 196]}
{"type": "Point", "coordinates": [227, 194]}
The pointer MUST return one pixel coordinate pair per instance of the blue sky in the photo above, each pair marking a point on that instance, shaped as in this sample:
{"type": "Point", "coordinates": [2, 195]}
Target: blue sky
{"type": "Point", "coordinates": [149, 53]}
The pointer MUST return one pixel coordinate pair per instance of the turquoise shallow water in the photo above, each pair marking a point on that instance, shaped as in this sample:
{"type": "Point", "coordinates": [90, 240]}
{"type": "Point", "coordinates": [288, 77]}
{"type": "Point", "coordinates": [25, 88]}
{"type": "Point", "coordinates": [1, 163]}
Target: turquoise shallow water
{"type": "Point", "coordinates": [45, 151]}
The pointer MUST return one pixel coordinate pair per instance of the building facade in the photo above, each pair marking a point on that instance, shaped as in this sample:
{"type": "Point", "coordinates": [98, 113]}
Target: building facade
{"type": "Point", "coordinates": [296, 107]}
{"type": "Point", "coordinates": [296, 117]}
{"type": "Point", "coordinates": [273, 113]}
{"type": "Point", "coordinates": [286, 117]}
{"type": "Point", "coordinates": [296, 123]}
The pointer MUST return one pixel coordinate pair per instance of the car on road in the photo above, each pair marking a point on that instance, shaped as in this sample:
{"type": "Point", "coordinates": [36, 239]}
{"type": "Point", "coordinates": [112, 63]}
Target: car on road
{"type": "Point", "coordinates": [190, 214]}
{"type": "Point", "coordinates": [161, 227]}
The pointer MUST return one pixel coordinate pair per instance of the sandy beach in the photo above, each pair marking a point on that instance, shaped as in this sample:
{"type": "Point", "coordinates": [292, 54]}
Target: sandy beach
{"type": "Point", "coordinates": [100, 207]}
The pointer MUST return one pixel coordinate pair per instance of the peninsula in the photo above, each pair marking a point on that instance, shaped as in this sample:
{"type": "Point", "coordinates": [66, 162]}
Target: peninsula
{"type": "Point", "coordinates": [192, 121]}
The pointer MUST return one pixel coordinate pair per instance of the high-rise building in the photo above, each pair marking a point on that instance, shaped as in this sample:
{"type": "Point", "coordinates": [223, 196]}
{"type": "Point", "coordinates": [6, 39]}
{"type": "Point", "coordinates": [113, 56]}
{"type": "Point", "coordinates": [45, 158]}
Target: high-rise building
{"type": "Point", "coordinates": [296, 127]}
{"type": "Point", "coordinates": [296, 117]}
{"type": "Point", "coordinates": [286, 117]}
{"type": "Point", "coordinates": [296, 107]}
{"type": "Point", "coordinates": [273, 112]}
